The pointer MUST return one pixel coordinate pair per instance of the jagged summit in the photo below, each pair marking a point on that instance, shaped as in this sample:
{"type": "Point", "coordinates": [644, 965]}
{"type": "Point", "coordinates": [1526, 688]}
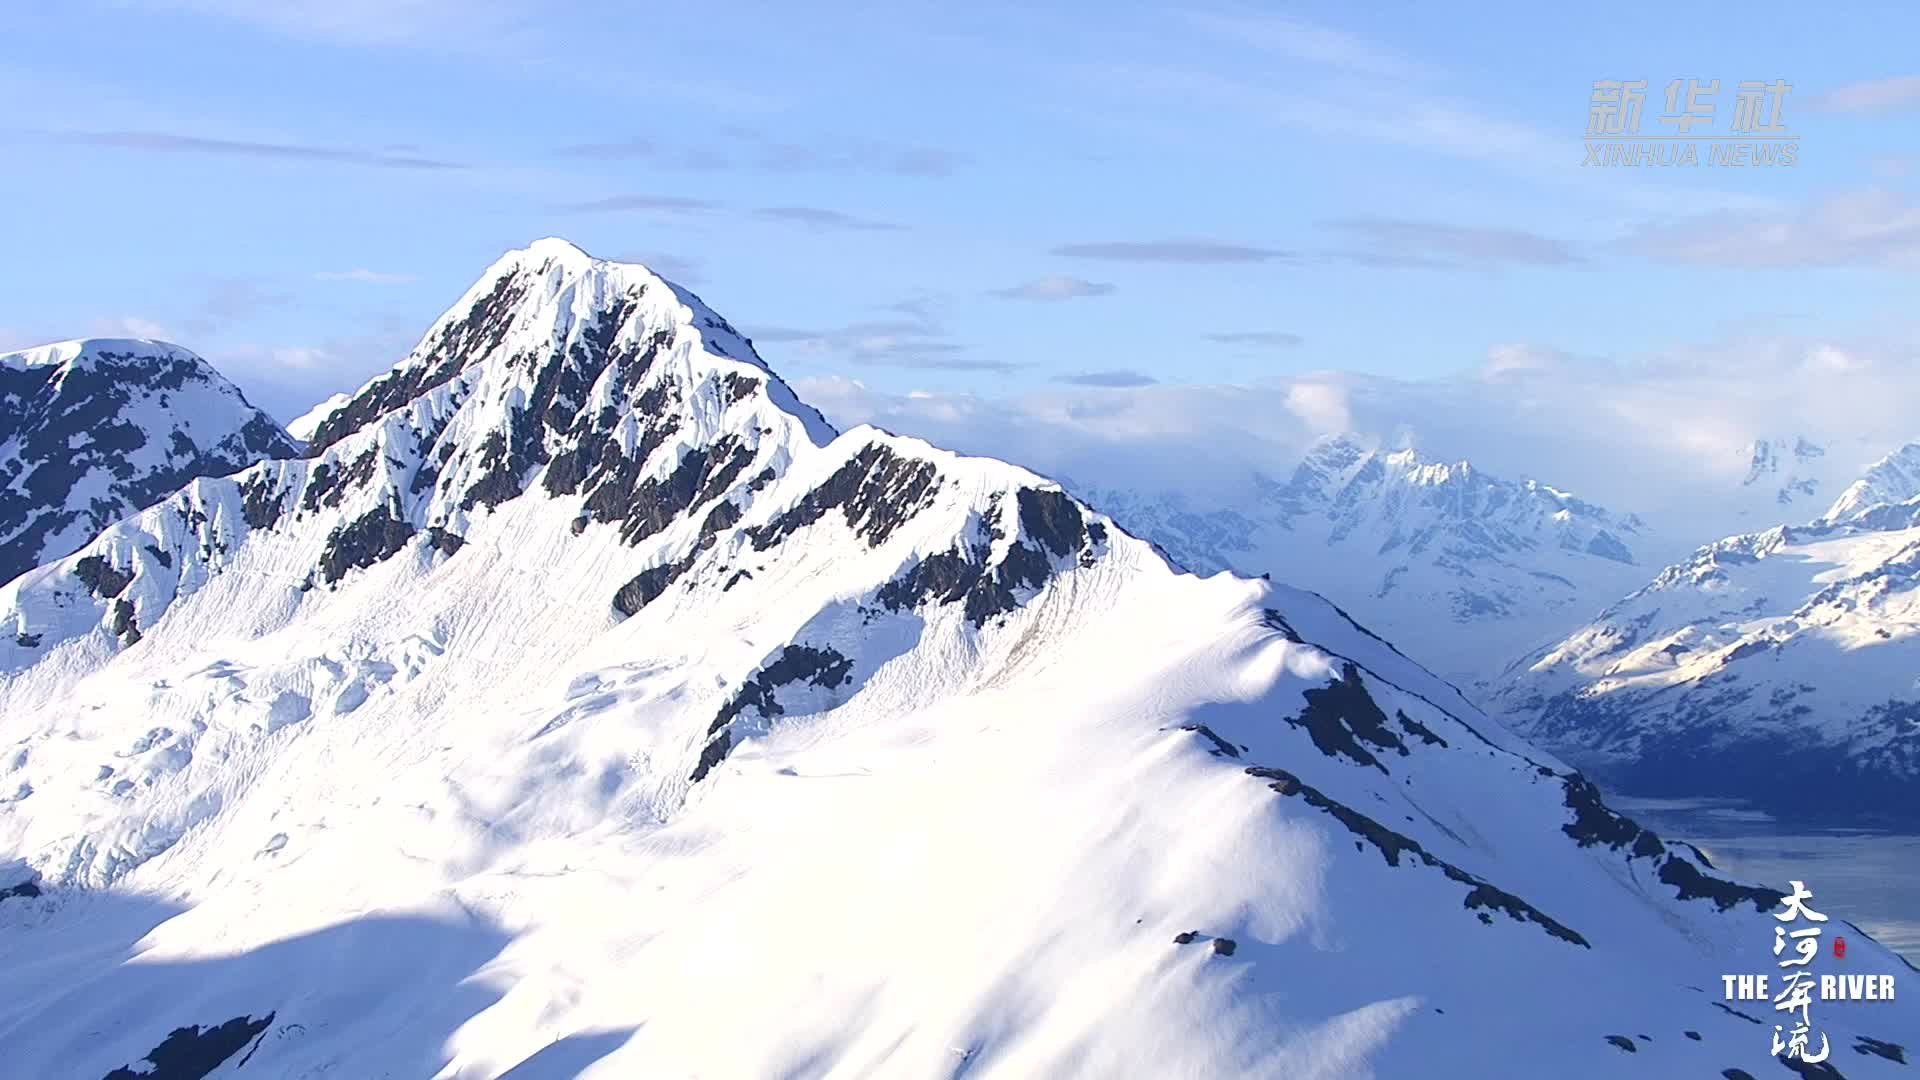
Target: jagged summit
{"type": "Point", "coordinates": [1892, 480]}
{"type": "Point", "coordinates": [560, 316]}
{"type": "Point", "coordinates": [94, 429]}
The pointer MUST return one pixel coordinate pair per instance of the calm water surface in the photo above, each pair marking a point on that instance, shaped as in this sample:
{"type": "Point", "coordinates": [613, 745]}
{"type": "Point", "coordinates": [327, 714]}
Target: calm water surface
{"type": "Point", "coordinates": [1868, 878]}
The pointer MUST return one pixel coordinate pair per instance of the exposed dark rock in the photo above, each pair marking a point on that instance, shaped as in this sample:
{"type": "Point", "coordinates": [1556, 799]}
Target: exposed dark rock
{"type": "Point", "coordinates": [190, 1053]}
{"type": "Point", "coordinates": [24, 890]}
{"type": "Point", "coordinates": [1341, 715]}
{"type": "Point", "coordinates": [963, 573]}
{"type": "Point", "coordinates": [1736, 1074]}
{"type": "Point", "coordinates": [27, 641]}
{"type": "Point", "coordinates": [1221, 747]}
{"type": "Point", "coordinates": [1725, 1008]}
{"type": "Point", "coordinates": [1276, 621]}
{"type": "Point", "coordinates": [482, 331]}
{"type": "Point", "coordinates": [101, 578]}
{"type": "Point", "coordinates": [363, 542]}
{"type": "Point", "coordinates": [1224, 946]}
{"type": "Point", "coordinates": [1187, 938]}
{"type": "Point", "coordinates": [722, 517]}
{"type": "Point", "coordinates": [1694, 885]}
{"type": "Point", "coordinates": [1415, 727]}
{"type": "Point", "coordinates": [1482, 895]}
{"type": "Point", "coordinates": [329, 483]}
{"type": "Point", "coordinates": [823, 667]}
{"type": "Point", "coordinates": [737, 578]}
{"type": "Point", "coordinates": [1623, 1043]}
{"type": "Point", "coordinates": [1891, 1051]}
{"type": "Point", "coordinates": [443, 541]}
{"type": "Point", "coordinates": [644, 508]}
{"type": "Point", "coordinates": [739, 387]}
{"type": "Point", "coordinates": [1052, 518]}
{"type": "Point", "coordinates": [877, 490]}
{"type": "Point", "coordinates": [645, 587]}
{"type": "Point", "coordinates": [1694, 1035]}
{"type": "Point", "coordinates": [124, 625]}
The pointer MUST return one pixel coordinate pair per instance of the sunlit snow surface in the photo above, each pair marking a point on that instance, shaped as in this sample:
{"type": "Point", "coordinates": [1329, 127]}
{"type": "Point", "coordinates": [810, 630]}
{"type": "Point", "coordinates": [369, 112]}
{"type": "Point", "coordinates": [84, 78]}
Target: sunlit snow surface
{"type": "Point", "coordinates": [1062, 811]}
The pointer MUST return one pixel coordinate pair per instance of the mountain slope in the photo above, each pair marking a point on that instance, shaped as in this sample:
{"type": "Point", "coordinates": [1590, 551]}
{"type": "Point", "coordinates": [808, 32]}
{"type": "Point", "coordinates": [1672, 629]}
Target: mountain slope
{"type": "Point", "coordinates": [93, 430]}
{"type": "Point", "coordinates": [1790, 649]}
{"type": "Point", "coordinates": [1463, 569]}
{"type": "Point", "coordinates": [585, 705]}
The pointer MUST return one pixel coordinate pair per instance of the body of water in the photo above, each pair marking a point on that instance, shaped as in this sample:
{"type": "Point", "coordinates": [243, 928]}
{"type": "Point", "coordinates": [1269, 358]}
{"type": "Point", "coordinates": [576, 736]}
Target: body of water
{"type": "Point", "coordinates": [1868, 878]}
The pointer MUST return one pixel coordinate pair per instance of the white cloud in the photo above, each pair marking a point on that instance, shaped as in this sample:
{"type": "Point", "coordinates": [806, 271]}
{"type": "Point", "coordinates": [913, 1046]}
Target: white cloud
{"type": "Point", "coordinates": [1054, 287]}
{"type": "Point", "coordinates": [130, 326]}
{"type": "Point", "coordinates": [1322, 405]}
{"type": "Point", "coordinates": [1667, 435]}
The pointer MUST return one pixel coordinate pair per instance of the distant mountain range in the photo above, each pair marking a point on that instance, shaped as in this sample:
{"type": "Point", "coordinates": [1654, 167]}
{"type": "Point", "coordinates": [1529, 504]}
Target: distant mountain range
{"type": "Point", "coordinates": [1462, 569]}
{"type": "Point", "coordinates": [1780, 666]}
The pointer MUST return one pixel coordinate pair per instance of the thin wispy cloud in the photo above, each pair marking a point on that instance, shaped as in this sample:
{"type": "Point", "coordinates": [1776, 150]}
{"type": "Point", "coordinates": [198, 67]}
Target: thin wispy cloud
{"type": "Point", "coordinates": [666, 204]}
{"type": "Point", "coordinates": [172, 143]}
{"type": "Point", "coordinates": [1265, 339]}
{"type": "Point", "coordinates": [749, 151]}
{"type": "Point", "coordinates": [1871, 95]}
{"type": "Point", "coordinates": [815, 217]}
{"type": "Point", "coordinates": [1115, 379]}
{"type": "Point", "coordinates": [1298, 39]}
{"type": "Point", "coordinates": [1873, 228]}
{"type": "Point", "coordinates": [366, 22]}
{"type": "Point", "coordinates": [1433, 245]}
{"type": "Point", "coordinates": [1053, 288]}
{"type": "Point", "coordinates": [1173, 251]}
{"type": "Point", "coordinates": [364, 277]}
{"type": "Point", "coordinates": [917, 341]}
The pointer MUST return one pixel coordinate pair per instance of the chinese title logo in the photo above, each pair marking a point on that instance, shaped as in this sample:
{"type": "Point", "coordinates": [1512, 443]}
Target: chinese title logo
{"type": "Point", "coordinates": [1797, 942]}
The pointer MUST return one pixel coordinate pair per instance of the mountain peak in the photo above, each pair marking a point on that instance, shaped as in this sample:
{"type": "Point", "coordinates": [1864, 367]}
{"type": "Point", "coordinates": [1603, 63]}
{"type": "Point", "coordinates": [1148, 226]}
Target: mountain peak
{"type": "Point", "coordinates": [1893, 479]}
{"type": "Point", "coordinates": [95, 428]}
{"type": "Point", "coordinates": [549, 319]}
{"type": "Point", "coordinates": [82, 351]}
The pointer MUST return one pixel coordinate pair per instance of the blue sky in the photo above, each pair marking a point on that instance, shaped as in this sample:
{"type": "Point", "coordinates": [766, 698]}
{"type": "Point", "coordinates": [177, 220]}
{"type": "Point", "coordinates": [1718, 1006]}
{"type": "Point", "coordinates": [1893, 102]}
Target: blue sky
{"type": "Point", "coordinates": [992, 200]}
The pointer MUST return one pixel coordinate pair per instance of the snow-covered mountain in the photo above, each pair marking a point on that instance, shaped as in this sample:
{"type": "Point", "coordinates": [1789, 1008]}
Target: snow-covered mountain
{"type": "Point", "coordinates": [93, 430]}
{"type": "Point", "coordinates": [1462, 569]}
{"type": "Point", "coordinates": [585, 705]}
{"type": "Point", "coordinates": [1784, 471]}
{"type": "Point", "coordinates": [1792, 652]}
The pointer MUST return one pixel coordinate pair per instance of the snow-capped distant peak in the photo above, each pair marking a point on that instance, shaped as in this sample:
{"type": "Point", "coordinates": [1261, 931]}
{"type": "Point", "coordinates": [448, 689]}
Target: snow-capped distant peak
{"type": "Point", "coordinates": [1893, 479]}
{"type": "Point", "coordinates": [94, 429]}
